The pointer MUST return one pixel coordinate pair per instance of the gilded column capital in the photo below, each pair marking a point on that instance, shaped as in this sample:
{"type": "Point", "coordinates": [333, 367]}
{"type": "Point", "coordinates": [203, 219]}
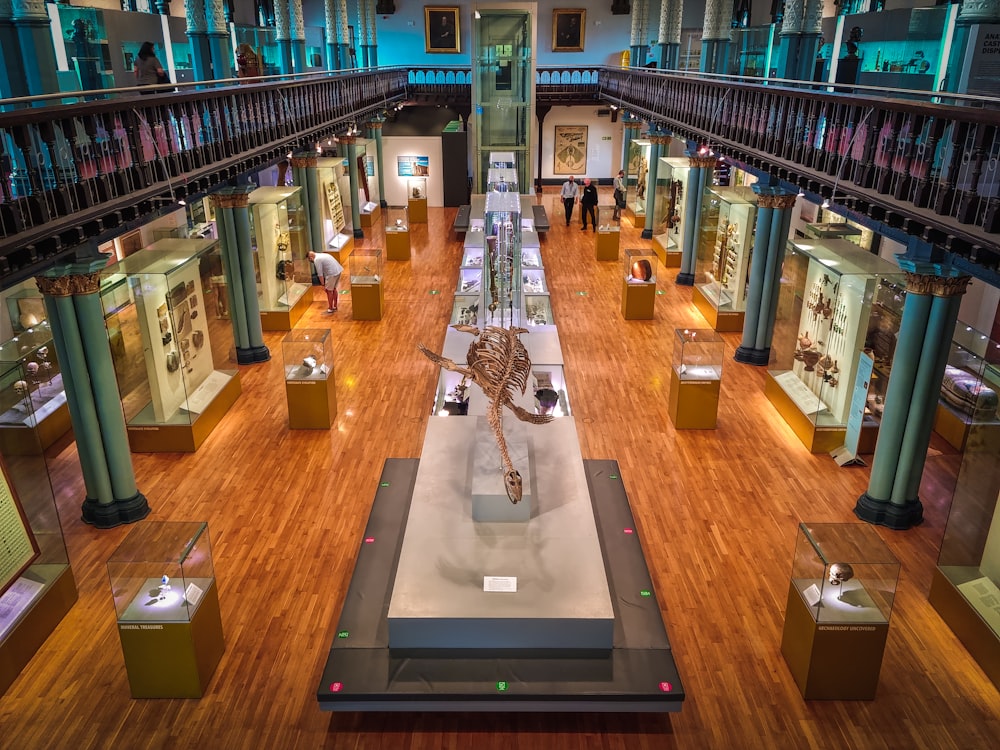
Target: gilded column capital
{"type": "Point", "coordinates": [374, 125]}
{"type": "Point", "coordinates": [779, 201]}
{"type": "Point", "coordinates": [660, 140]}
{"type": "Point", "coordinates": [347, 140]}
{"type": "Point", "coordinates": [937, 286]}
{"type": "Point", "coordinates": [303, 161]}
{"type": "Point", "coordinates": [227, 200]}
{"type": "Point", "coordinates": [702, 161]}
{"type": "Point", "coordinates": [69, 285]}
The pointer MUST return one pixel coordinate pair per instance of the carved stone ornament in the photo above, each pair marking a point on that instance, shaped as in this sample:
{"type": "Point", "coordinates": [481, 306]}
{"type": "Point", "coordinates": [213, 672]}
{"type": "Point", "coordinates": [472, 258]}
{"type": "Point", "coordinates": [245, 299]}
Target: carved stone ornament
{"type": "Point", "coordinates": [222, 200]}
{"type": "Point", "coordinates": [6, 9]}
{"type": "Point", "coordinates": [297, 22]}
{"type": "Point", "coordinates": [979, 11]}
{"type": "Point", "coordinates": [783, 200]}
{"type": "Point", "coordinates": [215, 17]}
{"type": "Point", "coordinates": [660, 140]}
{"type": "Point", "coordinates": [194, 14]}
{"type": "Point", "coordinates": [640, 13]}
{"type": "Point", "coordinates": [374, 125]}
{"type": "Point", "coordinates": [670, 22]}
{"type": "Point", "coordinates": [29, 9]}
{"type": "Point", "coordinates": [281, 20]}
{"type": "Point", "coordinates": [303, 162]}
{"type": "Point", "coordinates": [938, 286]}
{"type": "Point", "coordinates": [68, 286]}
{"type": "Point", "coordinates": [702, 162]}
{"type": "Point", "coordinates": [718, 20]}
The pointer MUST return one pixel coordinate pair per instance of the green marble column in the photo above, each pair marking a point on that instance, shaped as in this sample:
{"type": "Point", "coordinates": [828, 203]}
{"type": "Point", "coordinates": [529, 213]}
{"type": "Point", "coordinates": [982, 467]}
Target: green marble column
{"type": "Point", "coordinates": [81, 341]}
{"type": "Point", "coordinates": [699, 177]}
{"type": "Point", "coordinates": [34, 34]}
{"type": "Point", "coordinates": [770, 237]}
{"type": "Point", "coordinates": [659, 143]}
{"type": "Point", "coordinates": [352, 170]}
{"type": "Point", "coordinates": [230, 269]}
{"type": "Point", "coordinates": [306, 174]}
{"type": "Point", "coordinates": [376, 127]}
{"type": "Point", "coordinates": [933, 295]}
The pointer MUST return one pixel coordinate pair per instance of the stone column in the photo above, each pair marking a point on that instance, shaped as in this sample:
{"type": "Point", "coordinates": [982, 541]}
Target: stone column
{"type": "Point", "coordinates": [933, 296]}
{"type": "Point", "coordinates": [352, 170]}
{"type": "Point", "coordinates": [34, 35]}
{"type": "Point", "coordinates": [372, 35]}
{"type": "Point", "coordinates": [715, 36]}
{"type": "Point", "coordinates": [375, 126]}
{"type": "Point", "coordinates": [298, 36]}
{"type": "Point", "coordinates": [699, 177]}
{"type": "Point", "coordinates": [343, 35]}
{"type": "Point", "coordinates": [659, 141]}
{"type": "Point", "coordinates": [638, 46]}
{"type": "Point", "coordinates": [800, 34]}
{"type": "Point", "coordinates": [197, 31]}
{"type": "Point", "coordinates": [219, 42]}
{"type": "Point", "coordinates": [233, 217]}
{"type": "Point", "coordinates": [282, 34]}
{"type": "Point", "coordinates": [11, 84]}
{"type": "Point", "coordinates": [330, 33]}
{"type": "Point", "coordinates": [305, 174]}
{"type": "Point", "coordinates": [770, 237]}
{"type": "Point", "coordinates": [979, 11]}
{"type": "Point", "coordinates": [669, 36]}
{"type": "Point", "coordinates": [81, 342]}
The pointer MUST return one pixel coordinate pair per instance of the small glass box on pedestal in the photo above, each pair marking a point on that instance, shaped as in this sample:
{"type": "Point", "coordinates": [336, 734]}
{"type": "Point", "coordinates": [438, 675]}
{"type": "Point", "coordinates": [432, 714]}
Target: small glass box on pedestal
{"type": "Point", "coordinates": [695, 378]}
{"type": "Point", "coordinates": [638, 284]}
{"type": "Point", "coordinates": [840, 598]}
{"type": "Point", "coordinates": [367, 295]}
{"type": "Point", "coordinates": [309, 381]}
{"type": "Point", "coordinates": [416, 198]}
{"type": "Point", "coordinates": [608, 233]}
{"type": "Point", "coordinates": [397, 232]}
{"type": "Point", "coordinates": [167, 605]}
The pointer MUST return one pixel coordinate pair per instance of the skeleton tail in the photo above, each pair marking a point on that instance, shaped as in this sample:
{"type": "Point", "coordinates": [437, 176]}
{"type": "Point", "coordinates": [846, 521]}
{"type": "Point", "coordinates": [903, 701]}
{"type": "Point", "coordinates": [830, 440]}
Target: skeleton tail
{"type": "Point", "coordinates": [511, 477]}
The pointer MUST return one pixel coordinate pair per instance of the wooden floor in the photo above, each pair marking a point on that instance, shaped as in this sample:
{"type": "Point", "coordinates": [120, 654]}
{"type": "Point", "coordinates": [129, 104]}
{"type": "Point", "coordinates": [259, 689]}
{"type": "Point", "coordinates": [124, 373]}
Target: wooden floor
{"type": "Point", "coordinates": [717, 511]}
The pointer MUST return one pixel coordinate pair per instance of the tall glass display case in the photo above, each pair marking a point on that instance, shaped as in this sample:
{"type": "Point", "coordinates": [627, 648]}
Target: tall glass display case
{"type": "Point", "coordinates": [167, 606]}
{"type": "Point", "coordinates": [281, 245]}
{"type": "Point", "coordinates": [671, 194]}
{"type": "Point", "coordinates": [637, 178]}
{"type": "Point", "coordinates": [608, 234]}
{"type": "Point", "coordinates": [638, 284]}
{"type": "Point", "coordinates": [309, 381]}
{"type": "Point", "coordinates": [416, 197]}
{"type": "Point", "coordinates": [840, 599]}
{"type": "Point", "coordinates": [501, 281]}
{"type": "Point", "coordinates": [338, 234]}
{"type": "Point", "coordinates": [696, 378]}
{"type": "Point", "coordinates": [397, 233]}
{"type": "Point", "coordinates": [370, 200]}
{"type": "Point", "coordinates": [836, 305]}
{"type": "Point", "coordinates": [367, 294]}
{"type": "Point", "coordinates": [178, 378]}
{"type": "Point", "coordinates": [32, 397]}
{"type": "Point", "coordinates": [501, 180]}
{"type": "Point", "coordinates": [722, 259]}
{"type": "Point", "coordinates": [970, 388]}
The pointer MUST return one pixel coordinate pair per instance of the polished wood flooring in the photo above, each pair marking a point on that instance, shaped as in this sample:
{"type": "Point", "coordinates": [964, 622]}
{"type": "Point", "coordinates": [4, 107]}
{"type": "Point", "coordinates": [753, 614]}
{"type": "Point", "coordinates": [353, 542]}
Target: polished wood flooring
{"type": "Point", "coordinates": [717, 511]}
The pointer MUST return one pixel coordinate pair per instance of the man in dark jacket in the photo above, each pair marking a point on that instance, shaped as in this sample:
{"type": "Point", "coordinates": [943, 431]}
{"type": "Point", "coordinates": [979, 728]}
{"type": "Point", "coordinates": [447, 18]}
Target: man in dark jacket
{"type": "Point", "coordinates": [588, 203]}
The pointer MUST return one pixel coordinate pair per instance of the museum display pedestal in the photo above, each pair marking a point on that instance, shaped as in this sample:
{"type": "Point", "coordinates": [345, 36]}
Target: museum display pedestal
{"type": "Point", "coordinates": [310, 387]}
{"type": "Point", "coordinates": [639, 285]}
{"type": "Point", "coordinates": [723, 321]}
{"type": "Point", "coordinates": [186, 437]}
{"type": "Point", "coordinates": [370, 217]}
{"type": "Point", "coordinates": [285, 320]}
{"type": "Point", "coordinates": [418, 210]}
{"type": "Point", "coordinates": [397, 232]}
{"type": "Point", "coordinates": [966, 620]}
{"type": "Point", "coordinates": [667, 251]}
{"type": "Point", "coordinates": [837, 617]}
{"type": "Point", "coordinates": [367, 295]}
{"type": "Point", "coordinates": [340, 247]}
{"type": "Point", "coordinates": [695, 379]}
{"type": "Point", "coordinates": [608, 234]}
{"type": "Point", "coordinates": [167, 601]}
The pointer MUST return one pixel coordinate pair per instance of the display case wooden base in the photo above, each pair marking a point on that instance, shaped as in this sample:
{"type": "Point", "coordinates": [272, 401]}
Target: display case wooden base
{"type": "Point", "coordinates": [831, 661]}
{"type": "Point", "coordinates": [667, 251]}
{"type": "Point", "coordinates": [954, 426]}
{"type": "Point", "coordinates": [15, 442]}
{"type": "Point", "coordinates": [718, 320]}
{"type": "Point", "coordinates": [343, 251]}
{"type": "Point", "coordinates": [693, 404]}
{"type": "Point", "coordinates": [285, 320]}
{"type": "Point", "coordinates": [174, 659]}
{"type": "Point", "coordinates": [185, 438]}
{"type": "Point", "coordinates": [397, 245]}
{"type": "Point", "coordinates": [312, 404]}
{"type": "Point", "coordinates": [978, 638]}
{"type": "Point", "coordinates": [367, 301]}
{"type": "Point", "coordinates": [372, 218]}
{"type": "Point", "coordinates": [638, 301]}
{"type": "Point", "coordinates": [606, 246]}
{"type": "Point", "coordinates": [28, 635]}
{"type": "Point", "coordinates": [418, 210]}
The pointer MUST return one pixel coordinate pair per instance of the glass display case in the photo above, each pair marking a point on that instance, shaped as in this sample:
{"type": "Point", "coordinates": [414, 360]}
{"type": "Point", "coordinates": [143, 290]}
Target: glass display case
{"type": "Point", "coordinates": [309, 382]}
{"type": "Point", "coordinates": [87, 50]}
{"type": "Point", "coordinates": [545, 395]}
{"type": "Point", "coordinates": [636, 176]}
{"type": "Point", "coordinates": [465, 310]}
{"type": "Point", "coordinates": [695, 378]}
{"type": "Point", "coordinates": [367, 293]}
{"type": "Point", "coordinates": [608, 233]}
{"type": "Point", "coordinates": [37, 587]}
{"type": "Point", "coordinates": [369, 199]}
{"type": "Point", "coordinates": [32, 397]}
{"type": "Point", "coordinates": [280, 238]}
{"type": "Point", "coordinates": [502, 160]}
{"type": "Point", "coordinates": [501, 280]}
{"type": "Point", "coordinates": [722, 259]}
{"type": "Point", "coordinates": [501, 180]}
{"type": "Point", "coordinates": [836, 304]}
{"type": "Point", "coordinates": [965, 586]}
{"type": "Point", "coordinates": [472, 253]}
{"type": "Point", "coordinates": [181, 377]}
{"type": "Point", "coordinates": [531, 257]}
{"type": "Point", "coordinates": [334, 184]}
{"type": "Point", "coordinates": [840, 598]}
{"type": "Point", "coordinates": [416, 197]}
{"type": "Point", "coordinates": [167, 606]}
{"type": "Point", "coordinates": [638, 284]}
{"type": "Point", "coordinates": [970, 388]}
{"type": "Point", "coordinates": [397, 232]}
{"type": "Point", "coordinates": [533, 281]}
{"type": "Point", "coordinates": [470, 281]}
{"type": "Point", "coordinates": [537, 311]}
{"type": "Point", "coordinates": [671, 194]}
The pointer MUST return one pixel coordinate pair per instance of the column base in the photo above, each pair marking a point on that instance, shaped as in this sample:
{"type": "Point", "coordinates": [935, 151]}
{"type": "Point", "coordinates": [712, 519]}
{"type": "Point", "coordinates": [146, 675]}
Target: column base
{"type": "Point", "coordinates": [383, 203]}
{"type": "Point", "coordinates": [750, 356]}
{"type": "Point", "coordinates": [684, 279]}
{"type": "Point", "coordinates": [885, 513]}
{"type": "Point", "coordinates": [647, 234]}
{"type": "Point", "coordinates": [115, 514]}
{"type": "Point", "coordinates": [359, 233]}
{"type": "Point", "coordinates": [251, 355]}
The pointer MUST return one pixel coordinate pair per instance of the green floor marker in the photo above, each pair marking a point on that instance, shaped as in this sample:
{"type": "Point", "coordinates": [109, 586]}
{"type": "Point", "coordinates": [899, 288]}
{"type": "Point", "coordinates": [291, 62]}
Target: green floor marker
{"type": "Point", "coordinates": [343, 634]}
{"type": "Point", "coordinates": [384, 484]}
{"type": "Point", "coordinates": [434, 291]}
{"type": "Point", "coordinates": [581, 294]}
{"type": "Point", "coordinates": [645, 592]}
{"type": "Point", "coordinates": [501, 686]}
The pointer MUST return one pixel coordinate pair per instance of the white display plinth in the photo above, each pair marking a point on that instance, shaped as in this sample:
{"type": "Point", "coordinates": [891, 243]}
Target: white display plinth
{"type": "Point", "coordinates": [489, 491]}
{"type": "Point", "coordinates": [561, 601]}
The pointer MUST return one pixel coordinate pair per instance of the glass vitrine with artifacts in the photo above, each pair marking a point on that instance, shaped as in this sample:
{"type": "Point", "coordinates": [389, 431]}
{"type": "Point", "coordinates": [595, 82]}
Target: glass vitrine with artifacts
{"type": "Point", "coordinates": [638, 284]}
{"type": "Point", "coordinates": [637, 178]}
{"type": "Point", "coordinates": [671, 196]}
{"type": "Point", "coordinates": [307, 354]}
{"type": "Point", "coordinates": [695, 378]}
{"type": "Point", "coordinates": [367, 283]}
{"type": "Point", "coordinates": [397, 232]}
{"type": "Point", "coordinates": [608, 233]}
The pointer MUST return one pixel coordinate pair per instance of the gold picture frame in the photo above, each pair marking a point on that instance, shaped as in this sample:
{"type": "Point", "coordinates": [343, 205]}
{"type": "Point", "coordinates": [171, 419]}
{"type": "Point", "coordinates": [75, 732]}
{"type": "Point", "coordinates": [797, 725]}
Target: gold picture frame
{"type": "Point", "coordinates": [569, 150]}
{"type": "Point", "coordinates": [441, 29]}
{"type": "Point", "coordinates": [568, 29]}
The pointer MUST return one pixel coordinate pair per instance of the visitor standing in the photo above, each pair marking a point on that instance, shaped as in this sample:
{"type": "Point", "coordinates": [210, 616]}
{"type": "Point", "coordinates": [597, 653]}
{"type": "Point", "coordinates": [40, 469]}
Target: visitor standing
{"type": "Point", "coordinates": [588, 203]}
{"type": "Point", "coordinates": [568, 194]}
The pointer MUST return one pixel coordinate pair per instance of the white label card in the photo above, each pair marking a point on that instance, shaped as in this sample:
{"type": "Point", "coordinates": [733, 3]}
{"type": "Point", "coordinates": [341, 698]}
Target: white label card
{"type": "Point", "coordinates": [812, 595]}
{"type": "Point", "coordinates": [192, 593]}
{"type": "Point", "coordinates": [502, 584]}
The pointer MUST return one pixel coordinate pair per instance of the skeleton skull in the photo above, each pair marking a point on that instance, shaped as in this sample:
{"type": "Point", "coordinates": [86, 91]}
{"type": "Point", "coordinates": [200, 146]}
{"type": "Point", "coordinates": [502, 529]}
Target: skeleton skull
{"type": "Point", "coordinates": [32, 368]}
{"type": "Point", "coordinates": [840, 573]}
{"type": "Point", "coordinates": [20, 387]}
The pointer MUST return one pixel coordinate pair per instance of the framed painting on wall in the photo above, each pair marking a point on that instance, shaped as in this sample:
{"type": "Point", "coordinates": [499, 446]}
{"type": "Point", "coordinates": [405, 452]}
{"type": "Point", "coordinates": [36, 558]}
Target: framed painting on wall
{"type": "Point", "coordinates": [568, 29]}
{"type": "Point", "coordinates": [441, 32]}
{"type": "Point", "coordinates": [569, 149]}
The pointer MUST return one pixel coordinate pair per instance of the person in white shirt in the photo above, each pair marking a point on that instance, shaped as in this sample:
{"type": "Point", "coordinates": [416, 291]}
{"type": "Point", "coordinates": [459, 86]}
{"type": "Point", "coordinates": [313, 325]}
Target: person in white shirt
{"type": "Point", "coordinates": [329, 271]}
{"type": "Point", "coordinates": [568, 194]}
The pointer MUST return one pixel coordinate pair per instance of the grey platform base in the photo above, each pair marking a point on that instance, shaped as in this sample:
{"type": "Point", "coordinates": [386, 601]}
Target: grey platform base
{"type": "Point", "coordinates": [638, 674]}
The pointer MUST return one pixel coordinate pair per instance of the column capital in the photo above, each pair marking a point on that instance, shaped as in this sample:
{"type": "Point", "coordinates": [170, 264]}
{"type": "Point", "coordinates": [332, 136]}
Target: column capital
{"type": "Point", "coordinates": [701, 160]}
{"type": "Point", "coordinates": [660, 139]}
{"type": "Point", "coordinates": [347, 140]}
{"type": "Point", "coordinates": [69, 285]}
{"type": "Point", "coordinates": [937, 286]}
{"type": "Point", "coordinates": [769, 196]}
{"type": "Point", "coordinates": [374, 125]}
{"type": "Point", "coordinates": [304, 160]}
{"type": "Point", "coordinates": [230, 198]}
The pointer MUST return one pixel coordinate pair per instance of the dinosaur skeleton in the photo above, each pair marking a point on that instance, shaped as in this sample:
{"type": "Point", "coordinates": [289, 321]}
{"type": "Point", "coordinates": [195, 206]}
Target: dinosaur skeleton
{"type": "Point", "coordinates": [499, 364]}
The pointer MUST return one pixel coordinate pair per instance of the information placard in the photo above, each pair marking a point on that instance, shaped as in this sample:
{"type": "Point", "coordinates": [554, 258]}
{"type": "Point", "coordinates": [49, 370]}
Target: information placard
{"type": "Point", "coordinates": [17, 544]}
